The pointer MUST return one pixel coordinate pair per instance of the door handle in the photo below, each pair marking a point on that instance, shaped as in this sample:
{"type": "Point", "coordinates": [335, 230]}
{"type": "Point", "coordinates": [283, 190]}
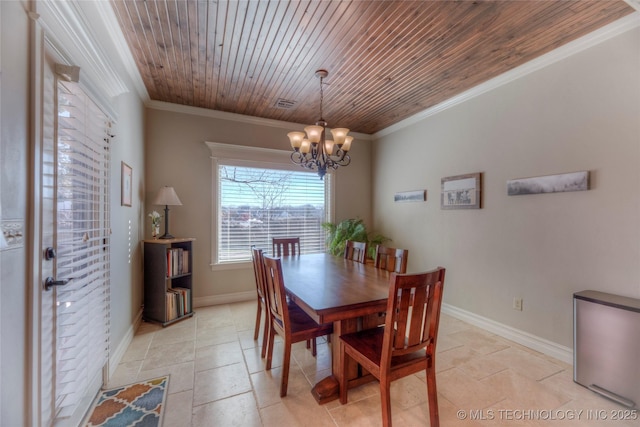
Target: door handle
{"type": "Point", "coordinates": [50, 282]}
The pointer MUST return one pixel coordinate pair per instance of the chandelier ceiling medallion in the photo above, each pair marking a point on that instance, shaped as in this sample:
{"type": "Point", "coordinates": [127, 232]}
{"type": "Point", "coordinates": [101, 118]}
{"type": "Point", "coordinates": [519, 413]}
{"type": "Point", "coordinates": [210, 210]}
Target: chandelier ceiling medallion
{"type": "Point", "coordinates": [313, 151]}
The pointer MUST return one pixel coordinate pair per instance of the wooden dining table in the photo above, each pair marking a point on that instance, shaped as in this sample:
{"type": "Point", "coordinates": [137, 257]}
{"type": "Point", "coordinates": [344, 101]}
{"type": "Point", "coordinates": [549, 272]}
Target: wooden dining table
{"type": "Point", "coordinates": [350, 294]}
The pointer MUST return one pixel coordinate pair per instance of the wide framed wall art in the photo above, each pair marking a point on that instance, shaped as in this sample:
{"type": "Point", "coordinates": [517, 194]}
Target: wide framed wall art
{"type": "Point", "coordinates": [559, 183]}
{"type": "Point", "coordinates": [461, 191]}
{"type": "Point", "coordinates": [410, 196]}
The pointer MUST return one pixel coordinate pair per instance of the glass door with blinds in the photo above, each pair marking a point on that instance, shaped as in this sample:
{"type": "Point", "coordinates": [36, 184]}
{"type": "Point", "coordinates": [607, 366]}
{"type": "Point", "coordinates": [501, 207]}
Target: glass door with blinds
{"type": "Point", "coordinates": [82, 262]}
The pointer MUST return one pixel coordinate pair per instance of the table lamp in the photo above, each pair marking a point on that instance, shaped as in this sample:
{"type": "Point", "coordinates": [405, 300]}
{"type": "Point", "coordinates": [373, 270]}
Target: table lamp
{"type": "Point", "coordinates": [167, 196]}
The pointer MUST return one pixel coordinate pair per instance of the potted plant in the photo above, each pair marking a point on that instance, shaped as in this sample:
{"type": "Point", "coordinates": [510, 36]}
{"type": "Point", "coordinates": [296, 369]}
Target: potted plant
{"type": "Point", "coordinates": [155, 223]}
{"type": "Point", "coordinates": [352, 229]}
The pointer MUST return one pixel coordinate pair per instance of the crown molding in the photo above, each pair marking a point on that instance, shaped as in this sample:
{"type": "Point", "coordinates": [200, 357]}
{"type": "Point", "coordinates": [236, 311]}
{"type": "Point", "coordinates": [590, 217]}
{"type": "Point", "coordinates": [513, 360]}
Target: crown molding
{"type": "Point", "coordinates": [68, 29]}
{"type": "Point", "coordinates": [234, 117]}
{"type": "Point", "coordinates": [634, 4]}
{"type": "Point", "coordinates": [108, 16]}
{"type": "Point", "coordinates": [605, 33]}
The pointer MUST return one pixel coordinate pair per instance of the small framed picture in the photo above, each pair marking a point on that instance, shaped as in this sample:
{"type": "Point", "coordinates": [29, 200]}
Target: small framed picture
{"type": "Point", "coordinates": [126, 190]}
{"type": "Point", "coordinates": [461, 192]}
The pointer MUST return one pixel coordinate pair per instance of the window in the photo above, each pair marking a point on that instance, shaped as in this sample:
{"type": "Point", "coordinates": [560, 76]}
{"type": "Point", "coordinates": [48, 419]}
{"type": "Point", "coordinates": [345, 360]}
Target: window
{"type": "Point", "coordinates": [255, 201]}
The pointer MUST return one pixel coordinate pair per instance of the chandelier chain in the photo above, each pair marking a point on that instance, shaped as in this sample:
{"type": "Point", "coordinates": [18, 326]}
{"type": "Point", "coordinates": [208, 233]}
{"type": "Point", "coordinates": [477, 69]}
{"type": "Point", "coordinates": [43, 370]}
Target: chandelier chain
{"type": "Point", "coordinates": [321, 99]}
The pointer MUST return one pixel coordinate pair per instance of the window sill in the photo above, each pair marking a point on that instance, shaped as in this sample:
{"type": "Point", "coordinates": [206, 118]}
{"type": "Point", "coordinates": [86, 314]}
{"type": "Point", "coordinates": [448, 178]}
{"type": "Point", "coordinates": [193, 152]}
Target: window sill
{"type": "Point", "coordinates": [242, 265]}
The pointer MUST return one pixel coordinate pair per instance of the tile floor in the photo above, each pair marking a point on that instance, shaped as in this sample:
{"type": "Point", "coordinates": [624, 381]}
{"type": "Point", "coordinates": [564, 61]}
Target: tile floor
{"type": "Point", "coordinates": [218, 379]}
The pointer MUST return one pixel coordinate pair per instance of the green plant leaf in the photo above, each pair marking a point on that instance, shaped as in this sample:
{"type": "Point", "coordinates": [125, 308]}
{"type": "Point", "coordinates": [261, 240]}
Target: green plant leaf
{"type": "Point", "coordinates": [353, 229]}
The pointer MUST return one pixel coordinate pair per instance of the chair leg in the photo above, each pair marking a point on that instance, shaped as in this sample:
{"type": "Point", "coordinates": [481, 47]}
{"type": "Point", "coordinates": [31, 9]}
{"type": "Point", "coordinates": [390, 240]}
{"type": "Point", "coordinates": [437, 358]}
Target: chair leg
{"type": "Point", "coordinates": [343, 375]}
{"type": "Point", "coordinates": [265, 333]}
{"type": "Point", "coordinates": [432, 395]}
{"type": "Point", "coordinates": [385, 397]}
{"type": "Point", "coordinates": [272, 333]}
{"type": "Point", "coordinates": [314, 349]}
{"type": "Point", "coordinates": [285, 369]}
{"type": "Point", "coordinates": [258, 316]}
{"type": "Point", "coordinates": [308, 344]}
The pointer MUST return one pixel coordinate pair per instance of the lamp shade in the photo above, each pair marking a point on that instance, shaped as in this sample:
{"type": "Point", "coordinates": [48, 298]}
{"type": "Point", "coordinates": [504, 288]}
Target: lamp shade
{"type": "Point", "coordinates": [347, 143]}
{"type": "Point", "coordinates": [167, 196]}
{"type": "Point", "coordinates": [296, 139]}
{"type": "Point", "coordinates": [314, 133]}
{"type": "Point", "coordinates": [339, 134]}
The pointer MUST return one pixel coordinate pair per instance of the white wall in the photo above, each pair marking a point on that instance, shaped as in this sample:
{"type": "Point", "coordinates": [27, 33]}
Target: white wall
{"type": "Point", "coordinates": [14, 135]}
{"type": "Point", "coordinates": [582, 113]}
{"type": "Point", "coordinates": [15, 175]}
{"type": "Point", "coordinates": [176, 155]}
{"type": "Point", "coordinates": [127, 223]}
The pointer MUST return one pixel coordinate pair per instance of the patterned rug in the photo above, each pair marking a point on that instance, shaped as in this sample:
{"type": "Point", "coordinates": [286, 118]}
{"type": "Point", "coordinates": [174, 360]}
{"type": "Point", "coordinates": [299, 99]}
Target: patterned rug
{"type": "Point", "coordinates": [134, 405]}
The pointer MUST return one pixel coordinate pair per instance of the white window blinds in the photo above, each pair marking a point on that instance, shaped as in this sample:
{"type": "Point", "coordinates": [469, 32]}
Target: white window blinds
{"type": "Point", "coordinates": [257, 204]}
{"type": "Point", "coordinates": [82, 206]}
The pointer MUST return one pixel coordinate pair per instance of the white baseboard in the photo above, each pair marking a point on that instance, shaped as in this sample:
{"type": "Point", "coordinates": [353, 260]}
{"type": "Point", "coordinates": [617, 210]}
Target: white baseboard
{"type": "Point", "coordinates": [224, 299]}
{"type": "Point", "coordinates": [560, 352]}
{"type": "Point", "coordinates": [116, 356]}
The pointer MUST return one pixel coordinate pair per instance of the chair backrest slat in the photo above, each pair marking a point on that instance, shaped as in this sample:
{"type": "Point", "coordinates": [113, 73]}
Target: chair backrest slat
{"type": "Point", "coordinates": [355, 251]}
{"type": "Point", "coordinates": [415, 335]}
{"type": "Point", "coordinates": [285, 246]}
{"type": "Point", "coordinates": [413, 313]}
{"type": "Point", "coordinates": [391, 259]}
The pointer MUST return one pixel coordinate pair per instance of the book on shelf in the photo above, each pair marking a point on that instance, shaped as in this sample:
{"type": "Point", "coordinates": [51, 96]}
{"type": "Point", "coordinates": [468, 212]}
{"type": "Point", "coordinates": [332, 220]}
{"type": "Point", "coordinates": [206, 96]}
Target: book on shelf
{"type": "Point", "coordinates": [178, 302]}
{"type": "Point", "coordinates": [177, 262]}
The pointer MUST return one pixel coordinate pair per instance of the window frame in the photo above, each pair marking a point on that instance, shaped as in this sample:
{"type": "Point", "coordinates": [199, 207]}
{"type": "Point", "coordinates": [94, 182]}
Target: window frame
{"type": "Point", "coordinates": [254, 157]}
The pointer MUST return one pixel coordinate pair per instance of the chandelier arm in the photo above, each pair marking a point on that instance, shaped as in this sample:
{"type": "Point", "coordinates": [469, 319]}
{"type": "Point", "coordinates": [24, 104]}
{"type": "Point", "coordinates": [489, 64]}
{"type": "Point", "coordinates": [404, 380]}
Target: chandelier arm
{"type": "Point", "coordinates": [298, 158]}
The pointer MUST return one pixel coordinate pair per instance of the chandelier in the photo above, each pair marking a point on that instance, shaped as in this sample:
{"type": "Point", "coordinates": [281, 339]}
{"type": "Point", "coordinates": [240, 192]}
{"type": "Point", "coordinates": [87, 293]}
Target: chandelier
{"type": "Point", "coordinates": [313, 151]}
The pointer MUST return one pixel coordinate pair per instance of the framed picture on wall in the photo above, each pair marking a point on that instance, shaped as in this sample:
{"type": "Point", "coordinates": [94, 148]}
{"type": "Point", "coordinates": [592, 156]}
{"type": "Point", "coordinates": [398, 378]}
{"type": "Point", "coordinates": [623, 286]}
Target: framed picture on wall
{"type": "Point", "coordinates": [126, 189]}
{"type": "Point", "coordinates": [410, 196]}
{"type": "Point", "coordinates": [559, 183]}
{"type": "Point", "coordinates": [461, 192]}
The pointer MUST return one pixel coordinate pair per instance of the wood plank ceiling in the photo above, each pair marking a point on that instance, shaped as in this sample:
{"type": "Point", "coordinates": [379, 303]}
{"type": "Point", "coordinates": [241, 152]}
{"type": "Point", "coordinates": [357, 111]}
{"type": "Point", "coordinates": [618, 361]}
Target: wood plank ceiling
{"type": "Point", "coordinates": [387, 60]}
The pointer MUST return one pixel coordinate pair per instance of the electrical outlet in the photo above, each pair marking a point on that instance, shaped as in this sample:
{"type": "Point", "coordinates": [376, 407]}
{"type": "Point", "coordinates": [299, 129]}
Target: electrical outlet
{"type": "Point", "coordinates": [517, 304]}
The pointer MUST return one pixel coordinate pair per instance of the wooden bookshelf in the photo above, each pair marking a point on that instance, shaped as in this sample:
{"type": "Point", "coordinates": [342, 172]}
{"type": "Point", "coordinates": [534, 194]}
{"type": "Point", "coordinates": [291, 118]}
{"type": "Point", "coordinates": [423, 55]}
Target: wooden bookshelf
{"type": "Point", "coordinates": [168, 280]}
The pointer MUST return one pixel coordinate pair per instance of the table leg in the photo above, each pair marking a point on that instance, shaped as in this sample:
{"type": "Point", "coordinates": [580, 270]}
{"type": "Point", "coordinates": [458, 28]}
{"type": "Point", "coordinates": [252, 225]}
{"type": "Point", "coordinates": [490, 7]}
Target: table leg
{"type": "Point", "coordinates": [328, 389]}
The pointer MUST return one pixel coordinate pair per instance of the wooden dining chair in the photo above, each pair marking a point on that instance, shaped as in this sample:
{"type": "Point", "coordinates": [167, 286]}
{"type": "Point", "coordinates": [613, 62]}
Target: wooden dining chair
{"type": "Point", "coordinates": [259, 272]}
{"type": "Point", "coordinates": [288, 246]}
{"type": "Point", "coordinates": [391, 259]}
{"type": "Point", "coordinates": [288, 321]}
{"type": "Point", "coordinates": [355, 251]}
{"type": "Point", "coordinates": [406, 344]}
